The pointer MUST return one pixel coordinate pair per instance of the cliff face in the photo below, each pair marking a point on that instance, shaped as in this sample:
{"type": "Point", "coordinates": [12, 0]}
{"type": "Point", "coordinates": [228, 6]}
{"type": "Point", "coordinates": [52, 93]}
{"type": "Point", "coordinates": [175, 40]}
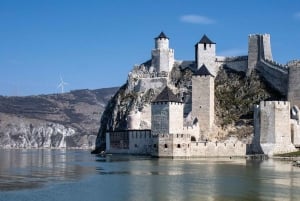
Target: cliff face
{"type": "Point", "coordinates": [235, 95]}
{"type": "Point", "coordinates": [52, 121]}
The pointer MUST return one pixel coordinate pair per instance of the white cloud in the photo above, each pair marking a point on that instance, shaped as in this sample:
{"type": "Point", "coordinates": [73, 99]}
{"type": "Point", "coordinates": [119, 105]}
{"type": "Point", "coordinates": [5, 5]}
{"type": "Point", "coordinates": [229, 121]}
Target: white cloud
{"type": "Point", "coordinates": [232, 52]}
{"type": "Point", "coordinates": [297, 15]}
{"type": "Point", "coordinates": [196, 19]}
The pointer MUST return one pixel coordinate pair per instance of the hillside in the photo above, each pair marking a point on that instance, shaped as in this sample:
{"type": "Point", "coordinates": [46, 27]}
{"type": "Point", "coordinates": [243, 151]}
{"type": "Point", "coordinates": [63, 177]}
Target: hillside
{"type": "Point", "coordinates": [46, 120]}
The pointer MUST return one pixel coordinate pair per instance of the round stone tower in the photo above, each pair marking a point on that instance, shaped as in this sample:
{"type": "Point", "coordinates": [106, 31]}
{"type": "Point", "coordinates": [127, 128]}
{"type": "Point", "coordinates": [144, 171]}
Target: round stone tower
{"type": "Point", "coordinates": [162, 55]}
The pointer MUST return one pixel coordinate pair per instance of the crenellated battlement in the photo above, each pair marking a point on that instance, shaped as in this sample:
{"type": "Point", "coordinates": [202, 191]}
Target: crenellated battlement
{"type": "Point", "coordinates": [276, 65]}
{"type": "Point", "coordinates": [273, 104]}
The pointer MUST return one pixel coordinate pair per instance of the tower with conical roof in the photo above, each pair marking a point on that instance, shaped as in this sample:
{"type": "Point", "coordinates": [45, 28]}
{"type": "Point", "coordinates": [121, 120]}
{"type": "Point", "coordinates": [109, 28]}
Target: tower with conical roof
{"type": "Point", "coordinates": [203, 89]}
{"type": "Point", "coordinates": [205, 53]}
{"type": "Point", "coordinates": [167, 126]}
{"type": "Point", "coordinates": [162, 55]}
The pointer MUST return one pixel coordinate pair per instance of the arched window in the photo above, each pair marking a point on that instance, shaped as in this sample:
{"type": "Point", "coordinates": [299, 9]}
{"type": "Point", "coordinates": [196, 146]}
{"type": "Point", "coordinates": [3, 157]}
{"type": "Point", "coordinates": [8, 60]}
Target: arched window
{"type": "Point", "coordinates": [193, 139]}
{"type": "Point", "coordinates": [204, 46]}
{"type": "Point", "coordinates": [166, 146]}
{"type": "Point", "coordinates": [178, 146]}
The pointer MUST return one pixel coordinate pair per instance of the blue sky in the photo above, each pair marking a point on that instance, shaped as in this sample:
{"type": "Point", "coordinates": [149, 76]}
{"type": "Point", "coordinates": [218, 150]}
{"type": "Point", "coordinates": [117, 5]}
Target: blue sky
{"type": "Point", "coordinates": [94, 44]}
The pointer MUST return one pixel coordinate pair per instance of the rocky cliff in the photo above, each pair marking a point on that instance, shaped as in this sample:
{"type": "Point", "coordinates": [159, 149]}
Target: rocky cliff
{"type": "Point", "coordinates": [235, 94]}
{"type": "Point", "coordinates": [53, 121]}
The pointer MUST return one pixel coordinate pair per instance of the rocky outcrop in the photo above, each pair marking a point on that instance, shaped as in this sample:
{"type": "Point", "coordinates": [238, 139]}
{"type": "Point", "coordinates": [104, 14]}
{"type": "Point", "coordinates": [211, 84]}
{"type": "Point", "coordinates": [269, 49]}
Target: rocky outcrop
{"type": "Point", "coordinates": [52, 121]}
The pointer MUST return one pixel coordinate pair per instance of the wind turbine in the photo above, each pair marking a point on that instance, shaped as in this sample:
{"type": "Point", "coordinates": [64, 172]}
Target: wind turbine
{"type": "Point", "coordinates": [62, 84]}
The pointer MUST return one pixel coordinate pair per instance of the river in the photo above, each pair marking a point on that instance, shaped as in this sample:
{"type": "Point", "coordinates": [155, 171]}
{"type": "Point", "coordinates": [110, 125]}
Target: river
{"type": "Point", "coordinates": [48, 175]}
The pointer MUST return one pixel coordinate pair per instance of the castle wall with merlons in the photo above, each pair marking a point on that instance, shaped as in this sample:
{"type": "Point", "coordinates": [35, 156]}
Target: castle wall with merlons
{"type": "Point", "coordinates": [277, 77]}
{"type": "Point", "coordinates": [215, 149]}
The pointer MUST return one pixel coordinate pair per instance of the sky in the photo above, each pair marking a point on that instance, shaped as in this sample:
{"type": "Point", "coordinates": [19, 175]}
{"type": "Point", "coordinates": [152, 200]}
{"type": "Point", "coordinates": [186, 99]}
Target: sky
{"type": "Point", "coordinates": [94, 44]}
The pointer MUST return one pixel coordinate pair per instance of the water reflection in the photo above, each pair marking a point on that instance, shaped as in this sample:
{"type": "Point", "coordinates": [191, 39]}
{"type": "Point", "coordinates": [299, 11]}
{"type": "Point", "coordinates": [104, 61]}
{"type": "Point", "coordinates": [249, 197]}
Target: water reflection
{"type": "Point", "coordinates": [25, 169]}
{"type": "Point", "coordinates": [203, 179]}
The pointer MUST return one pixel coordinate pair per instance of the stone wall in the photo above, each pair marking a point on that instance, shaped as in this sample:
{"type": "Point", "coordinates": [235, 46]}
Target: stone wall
{"type": "Point", "coordinates": [238, 63]}
{"type": "Point", "coordinates": [293, 85]}
{"type": "Point", "coordinates": [215, 149]}
{"type": "Point", "coordinates": [194, 131]}
{"type": "Point", "coordinates": [175, 117]}
{"type": "Point", "coordinates": [129, 142]}
{"type": "Point", "coordinates": [295, 132]}
{"type": "Point", "coordinates": [276, 76]}
{"type": "Point", "coordinates": [143, 84]}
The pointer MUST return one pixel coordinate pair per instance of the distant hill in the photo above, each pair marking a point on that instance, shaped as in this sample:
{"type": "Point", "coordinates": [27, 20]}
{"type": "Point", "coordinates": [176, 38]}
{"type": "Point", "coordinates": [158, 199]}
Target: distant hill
{"type": "Point", "coordinates": [56, 120]}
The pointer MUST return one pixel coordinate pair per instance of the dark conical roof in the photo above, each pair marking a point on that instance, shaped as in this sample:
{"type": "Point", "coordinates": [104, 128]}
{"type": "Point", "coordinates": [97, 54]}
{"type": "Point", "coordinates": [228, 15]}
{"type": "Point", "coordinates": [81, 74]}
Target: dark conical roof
{"type": "Point", "coordinates": [167, 96]}
{"type": "Point", "coordinates": [205, 39]}
{"type": "Point", "coordinates": [203, 71]}
{"type": "Point", "coordinates": [161, 35]}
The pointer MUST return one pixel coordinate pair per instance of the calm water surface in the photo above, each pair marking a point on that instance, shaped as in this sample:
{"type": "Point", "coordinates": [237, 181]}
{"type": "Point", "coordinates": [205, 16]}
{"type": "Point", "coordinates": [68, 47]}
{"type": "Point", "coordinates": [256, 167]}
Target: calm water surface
{"type": "Point", "coordinates": [45, 175]}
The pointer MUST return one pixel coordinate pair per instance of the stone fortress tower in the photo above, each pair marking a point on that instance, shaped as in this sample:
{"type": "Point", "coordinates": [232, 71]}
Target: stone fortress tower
{"type": "Point", "coordinates": [272, 128]}
{"type": "Point", "coordinates": [167, 126]}
{"type": "Point", "coordinates": [203, 101]}
{"type": "Point", "coordinates": [162, 56]}
{"type": "Point", "coordinates": [259, 47]}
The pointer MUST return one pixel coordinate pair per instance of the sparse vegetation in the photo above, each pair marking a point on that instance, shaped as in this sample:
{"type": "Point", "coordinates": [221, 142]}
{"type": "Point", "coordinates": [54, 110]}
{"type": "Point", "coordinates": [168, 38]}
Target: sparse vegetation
{"type": "Point", "coordinates": [291, 154]}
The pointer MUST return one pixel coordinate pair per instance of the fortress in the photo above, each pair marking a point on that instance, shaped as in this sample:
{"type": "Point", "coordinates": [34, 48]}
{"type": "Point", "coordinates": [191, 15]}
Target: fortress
{"type": "Point", "coordinates": [168, 127]}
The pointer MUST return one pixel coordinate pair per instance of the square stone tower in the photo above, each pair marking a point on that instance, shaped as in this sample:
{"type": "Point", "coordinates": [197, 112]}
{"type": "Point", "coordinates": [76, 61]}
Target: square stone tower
{"type": "Point", "coordinates": [203, 100]}
{"type": "Point", "coordinates": [272, 128]}
{"type": "Point", "coordinates": [205, 54]}
{"type": "Point", "coordinates": [259, 47]}
{"type": "Point", "coordinates": [167, 126]}
{"type": "Point", "coordinates": [162, 55]}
